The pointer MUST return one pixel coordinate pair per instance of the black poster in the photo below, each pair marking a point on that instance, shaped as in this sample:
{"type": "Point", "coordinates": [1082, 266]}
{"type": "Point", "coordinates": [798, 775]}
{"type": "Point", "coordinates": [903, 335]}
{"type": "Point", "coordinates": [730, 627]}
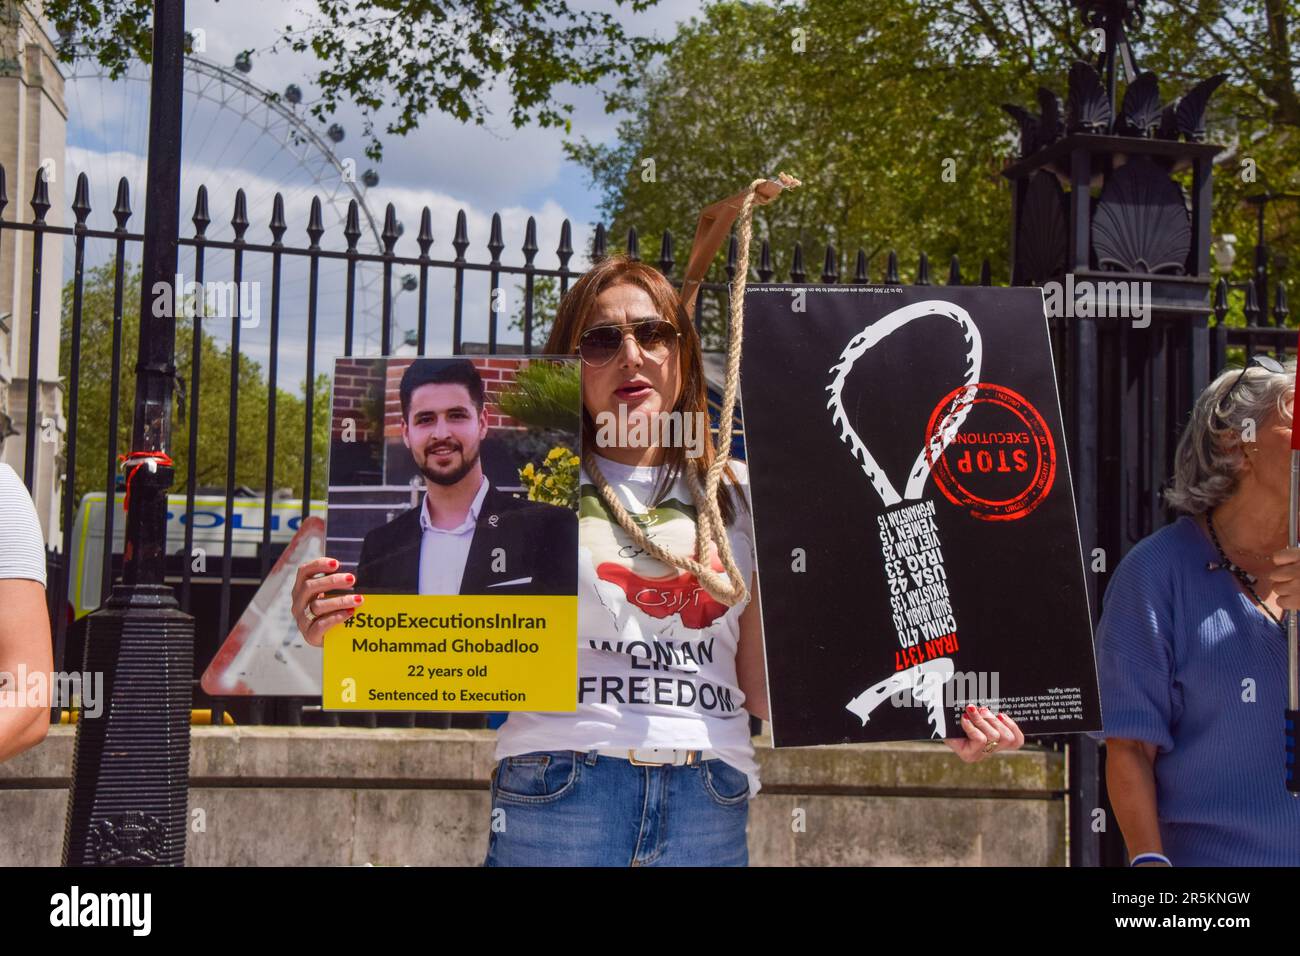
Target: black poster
{"type": "Point", "coordinates": [917, 542]}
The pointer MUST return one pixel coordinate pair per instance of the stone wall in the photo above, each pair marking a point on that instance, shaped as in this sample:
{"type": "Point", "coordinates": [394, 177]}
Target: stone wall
{"type": "Point", "coordinates": [296, 796]}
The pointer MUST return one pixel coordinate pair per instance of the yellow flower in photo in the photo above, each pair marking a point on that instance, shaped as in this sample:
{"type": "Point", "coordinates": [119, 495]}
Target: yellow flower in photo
{"type": "Point", "coordinates": [555, 480]}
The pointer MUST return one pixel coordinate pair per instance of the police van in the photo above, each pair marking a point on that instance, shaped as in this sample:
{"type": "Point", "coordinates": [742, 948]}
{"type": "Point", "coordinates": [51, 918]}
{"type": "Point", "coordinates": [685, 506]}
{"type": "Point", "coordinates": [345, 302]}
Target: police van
{"type": "Point", "coordinates": [205, 559]}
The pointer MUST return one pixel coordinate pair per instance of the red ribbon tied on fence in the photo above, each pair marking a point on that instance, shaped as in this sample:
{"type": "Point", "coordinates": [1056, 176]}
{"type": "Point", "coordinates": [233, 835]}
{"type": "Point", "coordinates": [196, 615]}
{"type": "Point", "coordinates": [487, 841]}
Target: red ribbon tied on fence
{"type": "Point", "coordinates": [142, 459]}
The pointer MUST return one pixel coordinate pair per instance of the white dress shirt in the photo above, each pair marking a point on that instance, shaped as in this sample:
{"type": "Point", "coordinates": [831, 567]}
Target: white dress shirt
{"type": "Point", "coordinates": [443, 550]}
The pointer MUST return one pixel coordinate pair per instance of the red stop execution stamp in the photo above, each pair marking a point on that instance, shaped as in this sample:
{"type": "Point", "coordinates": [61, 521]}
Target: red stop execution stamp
{"type": "Point", "coordinates": [1001, 462]}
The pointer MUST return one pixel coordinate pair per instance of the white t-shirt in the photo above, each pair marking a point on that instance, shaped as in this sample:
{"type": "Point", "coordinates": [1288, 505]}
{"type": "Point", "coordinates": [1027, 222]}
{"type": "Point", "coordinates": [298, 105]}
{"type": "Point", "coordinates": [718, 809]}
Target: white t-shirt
{"type": "Point", "coordinates": [22, 547]}
{"type": "Point", "coordinates": [656, 653]}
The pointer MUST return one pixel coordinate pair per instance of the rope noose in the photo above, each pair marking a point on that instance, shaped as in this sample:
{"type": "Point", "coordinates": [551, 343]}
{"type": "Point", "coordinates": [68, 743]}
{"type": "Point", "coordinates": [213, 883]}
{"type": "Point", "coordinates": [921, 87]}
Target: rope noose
{"type": "Point", "coordinates": [709, 526]}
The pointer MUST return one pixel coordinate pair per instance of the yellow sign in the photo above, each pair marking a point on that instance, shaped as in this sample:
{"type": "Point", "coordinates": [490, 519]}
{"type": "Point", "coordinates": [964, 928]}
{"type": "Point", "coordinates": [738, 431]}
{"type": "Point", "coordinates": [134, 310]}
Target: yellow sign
{"type": "Point", "coordinates": [457, 652]}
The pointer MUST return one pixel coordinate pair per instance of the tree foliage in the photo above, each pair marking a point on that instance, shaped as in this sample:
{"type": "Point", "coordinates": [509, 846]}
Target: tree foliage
{"type": "Point", "coordinates": [545, 395]}
{"type": "Point", "coordinates": [95, 393]}
{"type": "Point", "coordinates": [1255, 114]}
{"type": "Point", "coordinates": [854, 98]}
{"type": "Point", "coordinates": [871, 102]}
{"type": "Point", "coordinates": [408, 57]}
{"type": "Point", "coordinates": [546, 300]}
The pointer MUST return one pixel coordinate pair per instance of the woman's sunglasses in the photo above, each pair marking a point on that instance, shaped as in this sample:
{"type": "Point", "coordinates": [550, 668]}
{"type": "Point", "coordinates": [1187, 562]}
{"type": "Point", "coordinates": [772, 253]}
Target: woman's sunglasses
{"type": "Point", "coordinates": [654, 337]}
{"type": "Point", "coordinates": [1266, 362]}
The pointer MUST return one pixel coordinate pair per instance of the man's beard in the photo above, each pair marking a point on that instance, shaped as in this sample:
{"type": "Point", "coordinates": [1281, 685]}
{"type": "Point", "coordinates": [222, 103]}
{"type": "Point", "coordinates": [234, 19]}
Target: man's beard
{"type": "Point", "coordinates": [447, 478]}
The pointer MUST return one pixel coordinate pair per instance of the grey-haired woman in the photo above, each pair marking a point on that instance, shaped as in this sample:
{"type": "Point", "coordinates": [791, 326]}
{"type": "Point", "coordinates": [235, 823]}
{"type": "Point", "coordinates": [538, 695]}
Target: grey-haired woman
{"type": "Point", "coordinates": [1191, 649]}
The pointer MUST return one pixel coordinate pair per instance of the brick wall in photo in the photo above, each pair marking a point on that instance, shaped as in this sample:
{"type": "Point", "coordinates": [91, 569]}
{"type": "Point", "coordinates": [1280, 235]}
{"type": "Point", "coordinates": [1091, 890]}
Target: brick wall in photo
{"type": "Point", "coordinates": [353, 380]}
{"type": "Point", "coordinates": [495, 372]}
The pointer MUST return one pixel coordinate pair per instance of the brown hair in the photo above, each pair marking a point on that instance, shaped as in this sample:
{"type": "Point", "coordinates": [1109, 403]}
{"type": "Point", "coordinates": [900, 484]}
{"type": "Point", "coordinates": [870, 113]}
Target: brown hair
{"type": "Point", "coordinates": [570, 320]}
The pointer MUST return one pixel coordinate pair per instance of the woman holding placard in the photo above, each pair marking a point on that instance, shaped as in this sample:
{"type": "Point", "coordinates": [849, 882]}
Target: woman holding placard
{"type": "Point", "coordinates": [656, 766]}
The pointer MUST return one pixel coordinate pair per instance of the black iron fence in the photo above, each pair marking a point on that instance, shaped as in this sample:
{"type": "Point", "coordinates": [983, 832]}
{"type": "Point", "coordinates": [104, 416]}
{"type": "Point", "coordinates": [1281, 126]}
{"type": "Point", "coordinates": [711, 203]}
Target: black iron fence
{"type": "Point", "coordinates": [1134, 397]}
{"type": "Point", "coordinates": [217, 611]}
{"type": "Point", "coordinates": [1126, 390]}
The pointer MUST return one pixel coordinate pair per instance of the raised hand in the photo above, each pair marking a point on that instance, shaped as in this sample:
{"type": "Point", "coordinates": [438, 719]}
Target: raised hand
{"type": "Point", "coordinates": [313, 614]}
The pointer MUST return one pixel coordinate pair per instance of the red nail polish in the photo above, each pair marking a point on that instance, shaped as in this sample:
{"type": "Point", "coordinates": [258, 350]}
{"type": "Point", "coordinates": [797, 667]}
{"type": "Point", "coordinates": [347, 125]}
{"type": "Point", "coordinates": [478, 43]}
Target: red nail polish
{"type": "Point", "coordinates": [351, 579]}
{"type": "Point", "coordinates": [356, 598]}
{"type": "Point", "coordinates": [333, 564]}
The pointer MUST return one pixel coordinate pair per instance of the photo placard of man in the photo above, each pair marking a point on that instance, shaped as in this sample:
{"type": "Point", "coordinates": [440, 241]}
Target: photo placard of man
{"type": "Point", "coordinates": [464, 537]}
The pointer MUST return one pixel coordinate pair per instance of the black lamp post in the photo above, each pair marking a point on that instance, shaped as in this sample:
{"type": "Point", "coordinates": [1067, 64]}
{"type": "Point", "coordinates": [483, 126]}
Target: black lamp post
{"type": "Point", "coordinates": [130, 784]}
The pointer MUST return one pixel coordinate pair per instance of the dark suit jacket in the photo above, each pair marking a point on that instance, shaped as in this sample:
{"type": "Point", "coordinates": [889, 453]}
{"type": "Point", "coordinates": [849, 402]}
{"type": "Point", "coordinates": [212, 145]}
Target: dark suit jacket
{"type": "Point", "coordinates": [540, 543]}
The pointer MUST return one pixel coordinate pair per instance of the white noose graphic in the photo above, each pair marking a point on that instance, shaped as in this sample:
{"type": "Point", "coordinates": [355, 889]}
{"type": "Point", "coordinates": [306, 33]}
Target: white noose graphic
{"type": "Point", "coordinates": [871, 336]}
{"type": "Point", "coordinates": [925, 682]}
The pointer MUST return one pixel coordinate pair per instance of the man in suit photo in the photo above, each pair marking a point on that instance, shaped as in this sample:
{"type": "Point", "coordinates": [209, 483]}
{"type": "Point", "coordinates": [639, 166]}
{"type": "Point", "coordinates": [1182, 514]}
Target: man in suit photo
{"type": "Point", "coordinates": [464, 537]}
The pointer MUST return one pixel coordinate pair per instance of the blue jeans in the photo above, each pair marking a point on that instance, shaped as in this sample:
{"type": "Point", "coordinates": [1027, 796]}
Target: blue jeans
{"type": "Point", "coordinates": [567, 808]}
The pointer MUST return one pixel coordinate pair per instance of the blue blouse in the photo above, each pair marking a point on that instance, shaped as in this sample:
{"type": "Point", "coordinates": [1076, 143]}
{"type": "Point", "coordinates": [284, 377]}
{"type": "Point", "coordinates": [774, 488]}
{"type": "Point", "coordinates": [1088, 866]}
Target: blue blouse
{"type": "Point", "coordinates": [1190, 663]}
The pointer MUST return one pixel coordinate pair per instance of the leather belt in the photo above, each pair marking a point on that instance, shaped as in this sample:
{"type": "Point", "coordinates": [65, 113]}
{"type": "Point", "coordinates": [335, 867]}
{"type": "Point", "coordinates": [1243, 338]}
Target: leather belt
{"type": "Point", "coordinates": [658, 756]}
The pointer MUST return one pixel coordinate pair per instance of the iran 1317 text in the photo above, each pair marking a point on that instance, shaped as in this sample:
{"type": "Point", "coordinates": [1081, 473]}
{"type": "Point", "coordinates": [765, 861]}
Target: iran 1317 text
{"type": "Point", "coordinates": [942, 646]}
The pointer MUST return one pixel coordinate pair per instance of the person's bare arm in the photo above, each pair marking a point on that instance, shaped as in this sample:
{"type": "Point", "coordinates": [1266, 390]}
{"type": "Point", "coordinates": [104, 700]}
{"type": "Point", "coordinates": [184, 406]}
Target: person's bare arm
{"type": "Point", "coordinates": [24, 649]}
{"type": "Point", "coordinates": [751, 666]}
{"type": "Point", "coordinates": [1131, 782]}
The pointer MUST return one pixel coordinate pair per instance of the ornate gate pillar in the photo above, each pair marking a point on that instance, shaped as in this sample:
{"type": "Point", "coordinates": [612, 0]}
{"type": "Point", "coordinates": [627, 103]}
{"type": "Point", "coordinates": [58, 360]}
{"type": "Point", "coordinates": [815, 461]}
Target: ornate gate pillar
{"type": "Point", "coordinates": [1111, 203]}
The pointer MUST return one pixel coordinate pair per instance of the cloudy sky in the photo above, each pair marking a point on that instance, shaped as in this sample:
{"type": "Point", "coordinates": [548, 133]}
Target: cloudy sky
{"type": "Point", "coordinates": [233, 141]}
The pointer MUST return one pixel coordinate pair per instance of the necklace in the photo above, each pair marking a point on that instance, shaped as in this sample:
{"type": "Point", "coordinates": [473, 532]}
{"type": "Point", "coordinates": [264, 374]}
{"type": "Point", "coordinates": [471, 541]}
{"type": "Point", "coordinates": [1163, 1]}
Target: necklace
{"type": "Point", "coordinates": [1241, 574]}
{"type": "Point", "coordinates": [1251, 554]}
